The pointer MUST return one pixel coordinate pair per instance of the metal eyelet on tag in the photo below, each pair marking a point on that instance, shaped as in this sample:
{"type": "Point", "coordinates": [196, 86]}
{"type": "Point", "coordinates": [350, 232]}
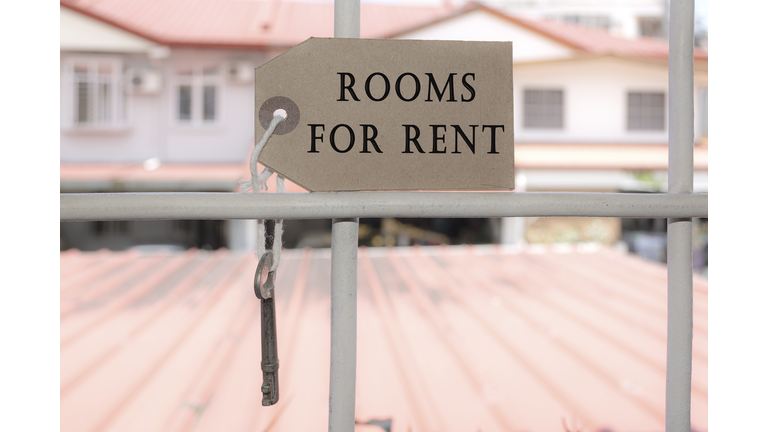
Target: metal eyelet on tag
{"type": "Point", "coordinates": [269, 361]}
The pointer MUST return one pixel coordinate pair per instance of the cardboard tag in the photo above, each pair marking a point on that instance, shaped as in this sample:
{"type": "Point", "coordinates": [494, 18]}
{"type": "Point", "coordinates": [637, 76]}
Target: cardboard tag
{"type": "Point", "coordinates": [367, 114]}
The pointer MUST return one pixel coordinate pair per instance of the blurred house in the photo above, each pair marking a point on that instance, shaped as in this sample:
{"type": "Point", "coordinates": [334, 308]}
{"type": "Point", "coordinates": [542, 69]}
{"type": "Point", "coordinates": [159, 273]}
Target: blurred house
{"type": "Point", "coordinates": [591, 115]}
{"type": "Point", "coordinates": [162, 83]}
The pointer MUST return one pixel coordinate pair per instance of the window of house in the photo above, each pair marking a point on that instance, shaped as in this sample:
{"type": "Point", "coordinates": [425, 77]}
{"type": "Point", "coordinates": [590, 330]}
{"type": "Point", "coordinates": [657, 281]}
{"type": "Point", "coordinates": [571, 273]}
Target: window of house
{"type": "Point", "coordinates": [198, 96]}
{"type": "Point", "coordinates": [543, 109]}
{"type": "Point", "coordinates": [93, 93]}
{"type": "Point", "coordinates": [594, 21]}
{"type": "Point", "coordinates": [651, 27]}
{"type": "Point", "coordinates": [646, 111]}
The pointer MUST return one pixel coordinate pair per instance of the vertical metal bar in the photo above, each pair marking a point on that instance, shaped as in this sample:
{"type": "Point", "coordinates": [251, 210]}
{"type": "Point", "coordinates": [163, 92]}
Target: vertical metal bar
{"type": "Point", "coordinates": [341, 400]}
{"type": "Point", "coordinates": [346, 18]}
{"type": "Point", "coordinates": [679, 231]}
{"type": "Point", "coordinates": [681, 97]}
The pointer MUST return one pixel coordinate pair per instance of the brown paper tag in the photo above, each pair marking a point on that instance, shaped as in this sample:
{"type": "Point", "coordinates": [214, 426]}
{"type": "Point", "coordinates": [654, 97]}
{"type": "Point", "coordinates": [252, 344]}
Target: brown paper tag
{"type": "Point", "coordinates": [368, 114]}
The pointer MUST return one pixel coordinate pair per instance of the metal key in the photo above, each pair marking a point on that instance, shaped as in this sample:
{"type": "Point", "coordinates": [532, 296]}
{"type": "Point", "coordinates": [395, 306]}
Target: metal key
{"type": "Point", "coordinates": [265, 291]}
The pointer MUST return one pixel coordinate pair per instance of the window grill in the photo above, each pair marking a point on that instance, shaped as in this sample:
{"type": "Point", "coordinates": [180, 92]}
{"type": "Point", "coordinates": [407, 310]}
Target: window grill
{"type": "Point", "coordinates": [650, 27]}
{"type": "Point", "coordinates": [645, 111]}
{"type": "Point", "coordinates": [94, 87]}
{"type": "Point", "coordinates": [543, 109]}
{"type": "Point", "coordinates": [198, 96]}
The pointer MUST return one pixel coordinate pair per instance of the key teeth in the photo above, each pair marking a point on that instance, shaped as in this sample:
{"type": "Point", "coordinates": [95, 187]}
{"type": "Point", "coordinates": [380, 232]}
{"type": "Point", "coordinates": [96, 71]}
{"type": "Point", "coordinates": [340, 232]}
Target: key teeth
{"type": "Point", "coordinates": [267, 400]}
{"type": "Point", "coordinates": [269, 397]}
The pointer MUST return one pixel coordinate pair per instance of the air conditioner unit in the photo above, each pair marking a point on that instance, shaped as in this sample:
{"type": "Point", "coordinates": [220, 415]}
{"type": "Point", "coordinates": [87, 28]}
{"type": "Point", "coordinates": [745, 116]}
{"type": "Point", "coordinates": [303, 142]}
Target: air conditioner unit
{"type": "Point", "coordinates": [241, 72]}
{"type": "Point", "coordinates": [143, 81]}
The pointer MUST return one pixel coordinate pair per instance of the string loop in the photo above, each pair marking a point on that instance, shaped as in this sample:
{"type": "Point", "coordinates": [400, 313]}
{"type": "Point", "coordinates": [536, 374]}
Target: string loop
{"type": "Point", "coordinates": [257, 183]}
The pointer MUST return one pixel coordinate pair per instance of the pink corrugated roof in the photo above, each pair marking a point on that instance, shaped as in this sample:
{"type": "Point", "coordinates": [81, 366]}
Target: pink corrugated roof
{"type": "Point", "coordinates": [245, 23]}
{"type": "Point", "coordinates": [449, 339]}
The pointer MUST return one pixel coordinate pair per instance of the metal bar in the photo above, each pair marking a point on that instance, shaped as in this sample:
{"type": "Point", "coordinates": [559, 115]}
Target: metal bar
{"type": "Point", "coordinates": [679, 230]}
{"type": "Point", "coordinates": [679, 324]}
{"type": "Point", "coordinates": [346, 18]}
{"type": "Point", "coordinates": [327, 205]}
{"type": "Point", "coordinates": [341, 398]}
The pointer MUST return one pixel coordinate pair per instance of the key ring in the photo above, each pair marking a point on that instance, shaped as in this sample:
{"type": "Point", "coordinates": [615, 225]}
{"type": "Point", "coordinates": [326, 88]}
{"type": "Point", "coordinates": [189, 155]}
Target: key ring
{"type": "Point", "coordinates": [267, 290]}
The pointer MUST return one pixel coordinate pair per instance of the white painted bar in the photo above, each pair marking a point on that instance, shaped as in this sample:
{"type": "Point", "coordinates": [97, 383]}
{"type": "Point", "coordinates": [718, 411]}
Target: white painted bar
{"type": "Point", "coordinates": [341, 398]}
{"type": "Point", "coordinates": [681, 97]}
{"type": "Point", "coordinates": [679, 230]}
{"type": "Point", "coordinates": [679, 324]}
{"type": "Point", "coordinates": [346, 18]}
{"type": "Point", "coordinates": [327, 205]}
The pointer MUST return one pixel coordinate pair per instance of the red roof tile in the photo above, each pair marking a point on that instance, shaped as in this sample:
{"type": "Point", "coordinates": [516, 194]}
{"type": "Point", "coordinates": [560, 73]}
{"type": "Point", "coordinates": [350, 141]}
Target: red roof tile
{"type": "Point", "coordinates": [275, 23]}
{"type": "Point", "coordinates": [449, 338]}
{"type": "Point", "coordinates": [241, 23]}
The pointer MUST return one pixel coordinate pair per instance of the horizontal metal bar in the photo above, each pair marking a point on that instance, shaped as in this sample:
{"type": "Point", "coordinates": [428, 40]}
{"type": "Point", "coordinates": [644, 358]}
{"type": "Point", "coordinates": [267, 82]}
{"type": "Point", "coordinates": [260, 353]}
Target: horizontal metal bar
{"type": "Point", "coordinates": [156, 206]}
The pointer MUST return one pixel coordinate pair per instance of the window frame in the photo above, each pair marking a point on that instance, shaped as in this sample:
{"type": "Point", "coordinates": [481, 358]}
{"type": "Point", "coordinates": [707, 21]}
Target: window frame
{"type": "Point", "coordinates": [650, 26]}
{"type": "Point", "coordinates": [528, 116]}
{"type": "Point", "coordinates": [628, 111]}
{"type": "Point", "coordinates": [198, 81]}
{"type": "Point", "coordinates": [117, 116]}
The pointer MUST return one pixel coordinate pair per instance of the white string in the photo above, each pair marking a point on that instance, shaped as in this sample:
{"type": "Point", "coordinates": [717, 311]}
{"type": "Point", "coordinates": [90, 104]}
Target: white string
{"type": "Point", "coordinates": [257, 183]}
{"type": "Point", "coordinates": [277, 244]}
{"type": "Point", "coordinates": [260, 233]}
{"type": "Point", "coordinates": [246, 185]}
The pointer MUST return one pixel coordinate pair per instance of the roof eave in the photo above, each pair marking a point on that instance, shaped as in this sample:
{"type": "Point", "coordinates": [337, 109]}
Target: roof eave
{"type": "Point", "coordinates": [230, 45]}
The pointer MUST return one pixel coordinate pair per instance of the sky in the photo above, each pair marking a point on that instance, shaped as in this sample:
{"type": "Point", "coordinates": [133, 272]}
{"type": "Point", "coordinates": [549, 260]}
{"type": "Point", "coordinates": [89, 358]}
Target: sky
{"type": "Point", "coordinates": [702, 12]}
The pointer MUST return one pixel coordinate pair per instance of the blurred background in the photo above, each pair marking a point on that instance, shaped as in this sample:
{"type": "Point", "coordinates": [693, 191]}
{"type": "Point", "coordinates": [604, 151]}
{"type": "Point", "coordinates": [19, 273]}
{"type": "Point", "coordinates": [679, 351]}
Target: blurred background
{"type": "Point", "coordinates": [157, 96]}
